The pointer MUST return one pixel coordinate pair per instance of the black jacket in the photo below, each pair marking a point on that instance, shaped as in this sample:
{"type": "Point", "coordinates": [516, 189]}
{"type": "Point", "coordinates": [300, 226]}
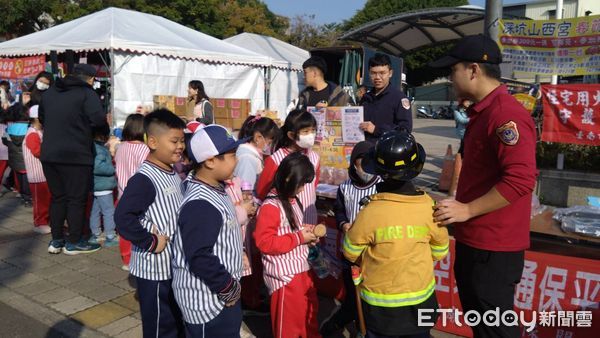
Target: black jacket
{"type": "Point", "coordinates": [68, 111]}
{"type": "Point", "coordinates": [337, 96]}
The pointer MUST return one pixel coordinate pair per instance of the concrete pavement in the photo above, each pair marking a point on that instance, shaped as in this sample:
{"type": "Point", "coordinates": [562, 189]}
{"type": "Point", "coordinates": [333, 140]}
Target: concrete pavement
{"type": "Point", "coordinates": [44, 295]}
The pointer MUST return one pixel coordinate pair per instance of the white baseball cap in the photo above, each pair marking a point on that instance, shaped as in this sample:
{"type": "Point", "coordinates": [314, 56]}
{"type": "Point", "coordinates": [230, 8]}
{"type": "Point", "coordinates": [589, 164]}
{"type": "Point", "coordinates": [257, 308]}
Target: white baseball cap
{"type": "Point", "coordinates": [211, 141]}
{"type": "Point", "coordinates": [33, 112]}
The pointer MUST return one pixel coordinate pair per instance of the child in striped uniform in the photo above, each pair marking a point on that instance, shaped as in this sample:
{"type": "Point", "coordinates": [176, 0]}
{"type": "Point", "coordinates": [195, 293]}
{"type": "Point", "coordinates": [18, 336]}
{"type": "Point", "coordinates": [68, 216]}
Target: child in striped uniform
{"type": "Point", "coordinates": [129, 156]}
{"type": "Point", "coordinates": [207, 264]}
{"type": "Point", "coordinates": [282, 238]}
{"type": "Point", "coordinates": [347, 205]}
{"type": "Point", "coordinates": [261, 132]}
{"type": "Point", "coordinates": [35, 174]}
{"type": "Point", "coordinates": [147, 217]}
{"type": "Point", "coordinates": [297, 135]}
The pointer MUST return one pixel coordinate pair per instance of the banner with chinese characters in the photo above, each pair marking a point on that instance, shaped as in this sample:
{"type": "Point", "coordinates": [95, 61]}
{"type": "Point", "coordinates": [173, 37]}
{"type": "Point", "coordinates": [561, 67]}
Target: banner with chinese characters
{"type": "Point", "coordinates": [545, 47]}
{"type": "Point", "coordinates": [558, 295]}
{"type": "Point", "coordinates": [19, 68]}
{"type": "Point", "coordinates": [571, 113]}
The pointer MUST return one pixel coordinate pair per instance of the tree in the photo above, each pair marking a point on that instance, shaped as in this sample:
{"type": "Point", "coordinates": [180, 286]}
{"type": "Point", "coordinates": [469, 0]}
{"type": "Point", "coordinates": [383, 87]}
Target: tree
{"type": "Point", "coordinates": [416, 61]}
{"type": "Point", "coordinates": [20, 17]}
{"type": "Point", "coordinates": [219, 18]}
{"type": "Point", "coordinates": [306, 34]}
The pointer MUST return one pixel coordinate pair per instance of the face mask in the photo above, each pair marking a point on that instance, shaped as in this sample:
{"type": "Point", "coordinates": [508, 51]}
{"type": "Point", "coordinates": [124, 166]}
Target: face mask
{"type": "Point", "coordinates": [96, 85]}
{"type": "Point", "coordinates": [365, 177]}
{"type": "Point", "coordinates": [41, 86]}
{"type": "Point", "coordinates": [266, 150]}
{"type": "Point", "coordinates": [306, 141]}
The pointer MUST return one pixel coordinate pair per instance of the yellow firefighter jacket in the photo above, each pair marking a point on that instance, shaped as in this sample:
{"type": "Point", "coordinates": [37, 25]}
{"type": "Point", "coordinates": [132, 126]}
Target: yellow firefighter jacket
{"type": "Point", "coordinates": [395, 241]}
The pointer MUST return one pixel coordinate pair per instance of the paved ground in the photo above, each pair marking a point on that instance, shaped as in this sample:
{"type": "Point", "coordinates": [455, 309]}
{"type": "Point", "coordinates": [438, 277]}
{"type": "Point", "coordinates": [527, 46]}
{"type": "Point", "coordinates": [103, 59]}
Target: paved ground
{"type": "Point", "coordinates": [43, 295]}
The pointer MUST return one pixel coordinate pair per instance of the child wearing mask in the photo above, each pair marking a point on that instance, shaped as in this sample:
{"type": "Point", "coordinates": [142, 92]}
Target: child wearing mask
{"type": "Point", "coordinates": [260, 132]}
{"type": "Point", "coordinates": [347, 205]}
{"type": "Point", "coordinates": [40, 194]}
{"type": "Point", "coordinates": [297, 135]}
{"type": "Point", "coordinates": [395, 241]}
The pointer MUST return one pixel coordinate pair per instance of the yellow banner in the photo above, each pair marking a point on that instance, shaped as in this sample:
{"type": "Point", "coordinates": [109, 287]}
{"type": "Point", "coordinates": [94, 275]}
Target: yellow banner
{"type": "Point", "coordinates": [545, 47]}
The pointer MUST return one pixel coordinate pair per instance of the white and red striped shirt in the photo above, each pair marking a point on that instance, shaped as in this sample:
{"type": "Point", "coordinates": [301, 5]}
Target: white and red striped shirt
{"type": "Point", "coordinates": [128, 159]}
{"type": "Point", "coordinates": [31, 154]}
{"type": "Point", "coordinates": [308, 197]}
{"type": "Point", "coordinates": [284, 254]}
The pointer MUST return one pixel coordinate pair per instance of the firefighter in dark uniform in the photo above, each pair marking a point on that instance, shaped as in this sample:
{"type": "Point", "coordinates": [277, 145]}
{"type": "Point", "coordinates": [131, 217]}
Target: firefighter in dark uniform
{"type": "Point", "coordinates": [491, 212]}
{"type": "Point", "coordinates": [385, 106]}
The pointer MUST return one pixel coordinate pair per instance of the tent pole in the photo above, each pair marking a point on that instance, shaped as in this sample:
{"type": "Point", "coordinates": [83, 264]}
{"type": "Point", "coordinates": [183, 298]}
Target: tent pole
{"type": "Point", "coordinates": [112, 86]}
{"type": "Point", "coordinates": [267, 86]}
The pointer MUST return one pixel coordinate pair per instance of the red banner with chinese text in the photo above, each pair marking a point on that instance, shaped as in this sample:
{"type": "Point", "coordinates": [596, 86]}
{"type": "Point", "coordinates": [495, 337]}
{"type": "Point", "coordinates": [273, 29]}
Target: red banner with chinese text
{"type": "Point", "coordinates": [19, 68]}
{"type": "Point", "coordinates": [571, 113]}
{"type": "Point", "coordinates": [564, 292]}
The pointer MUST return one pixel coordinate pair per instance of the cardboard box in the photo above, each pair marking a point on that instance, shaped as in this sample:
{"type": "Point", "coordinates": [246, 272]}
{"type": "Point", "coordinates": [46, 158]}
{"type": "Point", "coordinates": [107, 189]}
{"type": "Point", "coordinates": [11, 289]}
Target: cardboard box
{"type": "Point", "coordinates": [225, 122]}
{"type": "Point", "coordinates": [236, 124]}
{"type": "Point", "coordinates": [173, 103]}
{"type": "Point", "coordinates": [221, 112]}
{"type": "Point", "coordinates": [180, 106]}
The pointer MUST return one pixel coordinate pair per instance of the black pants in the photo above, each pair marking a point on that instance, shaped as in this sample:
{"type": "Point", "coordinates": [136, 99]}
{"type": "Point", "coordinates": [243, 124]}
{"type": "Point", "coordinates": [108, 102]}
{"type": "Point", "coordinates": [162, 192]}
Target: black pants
{"type": "Point", "coordinates": [70, 186]}
{"type": "Point", "coordinates": [486, 280]}
{"type": "Point", "coordinates": [23, 186]}
{"type": "Point", "coordinates": [347, 312]}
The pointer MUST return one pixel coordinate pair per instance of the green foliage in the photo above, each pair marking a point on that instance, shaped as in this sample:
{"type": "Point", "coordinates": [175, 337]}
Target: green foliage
{"type": "Point", "coordinates": [304, 33]}
{"type": "Point", "coordinates": [577, 157]}
{"type": "Point", "coordinates": [219, 18]}
{"type": "Point", "coordinates": [416, 61]}
{"type": "Point", "coordinates": [20, 17]}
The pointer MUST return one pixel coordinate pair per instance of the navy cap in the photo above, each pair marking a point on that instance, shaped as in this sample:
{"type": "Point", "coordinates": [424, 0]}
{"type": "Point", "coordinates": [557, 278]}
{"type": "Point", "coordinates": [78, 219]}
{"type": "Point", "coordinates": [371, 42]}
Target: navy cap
{"type": "Point", "coordinates": [84, 69]}
{"type": "Point", "coordinates": [473, 48]}
{"type": "Point", "coordinates": [211, 141]}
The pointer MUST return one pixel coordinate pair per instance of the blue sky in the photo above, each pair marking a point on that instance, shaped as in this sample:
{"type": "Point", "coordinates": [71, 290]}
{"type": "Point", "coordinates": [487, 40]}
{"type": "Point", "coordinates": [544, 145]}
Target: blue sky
{"type": "Point", "coordinates": [327, 11]}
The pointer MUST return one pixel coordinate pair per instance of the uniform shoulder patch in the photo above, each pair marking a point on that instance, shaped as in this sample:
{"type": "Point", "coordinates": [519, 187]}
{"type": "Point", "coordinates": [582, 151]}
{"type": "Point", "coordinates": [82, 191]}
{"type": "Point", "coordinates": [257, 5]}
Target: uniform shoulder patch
{"type": "Point", "coordinates": [508, 133]}
{"type": "Point", "coordinates": [405, 103]}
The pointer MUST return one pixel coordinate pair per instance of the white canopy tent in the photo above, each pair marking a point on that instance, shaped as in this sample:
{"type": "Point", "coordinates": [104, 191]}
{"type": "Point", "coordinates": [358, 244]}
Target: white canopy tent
{"type": "Point", "coordinates": [285, 71]}
{"type": "Point", "coordinates": [152, 55]}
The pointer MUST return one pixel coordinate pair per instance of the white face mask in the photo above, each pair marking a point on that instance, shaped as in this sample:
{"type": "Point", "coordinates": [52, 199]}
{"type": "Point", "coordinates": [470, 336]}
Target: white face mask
{"type": "Point", "coordinates": [365, 177]}
{"type": "Point", "coordinates": [41, 86]}
{"type": "Point", "coordinates": [266, 150]}
{"type": "Point", "coordinates": [306, 141]}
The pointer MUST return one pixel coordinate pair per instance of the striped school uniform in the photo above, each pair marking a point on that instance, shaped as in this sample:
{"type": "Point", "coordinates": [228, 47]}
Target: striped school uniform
{"type": "Point", "coordinates": [353, 194]}
{"type": "Point", "coordinates": [40, 193]}
{"type": "Point", "coordinates": [35, 173]}
{"type": "Point", "coordinates": [294, 302]}
{"type": "Point", "coordinates": [279, 270]}
{"type": "Point", "coordinates": [308, 197]}
{"type": "Point", "coordinates": [128, 159]}
{"type": "Point", "coordinates": [197, 302]}
{"type": "Point", "coordinates": [162, 214]}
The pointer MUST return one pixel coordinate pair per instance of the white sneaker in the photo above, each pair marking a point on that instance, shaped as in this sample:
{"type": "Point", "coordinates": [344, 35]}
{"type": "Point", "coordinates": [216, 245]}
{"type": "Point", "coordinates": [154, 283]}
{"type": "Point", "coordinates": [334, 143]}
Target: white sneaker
{"type": "Point", "coordinates": [42, 229]}
{"type": "Point", "coordinates": [125, 267]}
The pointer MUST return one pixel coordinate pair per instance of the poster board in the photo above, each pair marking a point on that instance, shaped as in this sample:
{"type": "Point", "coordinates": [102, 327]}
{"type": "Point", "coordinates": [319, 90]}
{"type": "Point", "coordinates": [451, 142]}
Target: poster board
{"type": "Point", "coordinates": [337, 133]}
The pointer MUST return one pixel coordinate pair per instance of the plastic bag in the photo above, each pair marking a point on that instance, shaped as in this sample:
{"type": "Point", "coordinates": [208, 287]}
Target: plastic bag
{"type": "Point", "coordinates": [536, 207]}
{"type": "Point", "coordinates": [581, 219]}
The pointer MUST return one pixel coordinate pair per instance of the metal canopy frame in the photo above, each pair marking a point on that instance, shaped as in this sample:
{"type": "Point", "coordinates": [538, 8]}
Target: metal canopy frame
{"type": "Point", "coordinates": [420, 28]}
